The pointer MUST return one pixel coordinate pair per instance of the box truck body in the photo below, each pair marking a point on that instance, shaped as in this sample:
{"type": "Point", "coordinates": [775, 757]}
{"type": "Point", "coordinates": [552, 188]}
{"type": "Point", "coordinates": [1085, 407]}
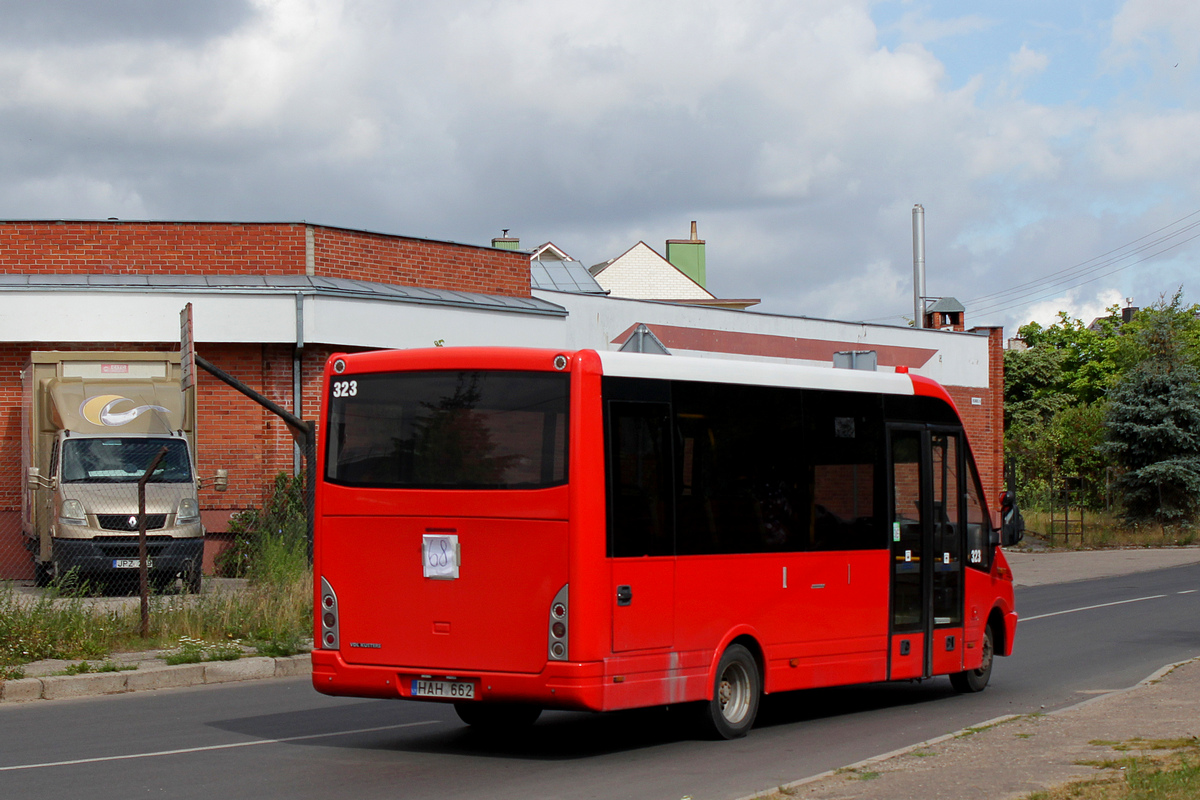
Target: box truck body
{"type": "Point", "coordinates": [92, 423]}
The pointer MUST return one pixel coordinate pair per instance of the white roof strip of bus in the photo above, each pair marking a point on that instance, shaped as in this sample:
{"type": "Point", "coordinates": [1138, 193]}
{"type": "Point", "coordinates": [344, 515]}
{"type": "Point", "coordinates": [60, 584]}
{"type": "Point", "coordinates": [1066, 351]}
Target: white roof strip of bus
{"type": "Point", "coordinates": [758, 373]}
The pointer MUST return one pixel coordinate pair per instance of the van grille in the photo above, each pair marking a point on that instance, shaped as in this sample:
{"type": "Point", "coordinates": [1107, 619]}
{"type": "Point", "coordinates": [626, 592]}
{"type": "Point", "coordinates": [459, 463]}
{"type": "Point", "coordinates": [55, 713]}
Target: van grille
{"type": "Point", "coordinates": [129, 522]}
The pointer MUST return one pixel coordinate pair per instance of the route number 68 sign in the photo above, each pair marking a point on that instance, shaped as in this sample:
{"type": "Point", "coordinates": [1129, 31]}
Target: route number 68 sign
{"type": "Point", "coordinates": [440, 556]}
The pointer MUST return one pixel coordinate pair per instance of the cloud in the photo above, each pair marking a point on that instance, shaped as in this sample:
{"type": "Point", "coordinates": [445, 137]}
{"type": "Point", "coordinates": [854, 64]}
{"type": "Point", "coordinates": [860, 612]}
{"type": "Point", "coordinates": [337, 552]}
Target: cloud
{"type": "Point", "coordinates": [1025, 62]}
{"type": "Point", "coordinates": [82, 21]}
{"type": "Point", "coordinates": [1136, 147]}
{"type": "Point", "coordinates": [788, 130]}
{"type": "Point", "coordinates": [1163, 31]}
{"type": "Point", "coordinates": [1082, 304]}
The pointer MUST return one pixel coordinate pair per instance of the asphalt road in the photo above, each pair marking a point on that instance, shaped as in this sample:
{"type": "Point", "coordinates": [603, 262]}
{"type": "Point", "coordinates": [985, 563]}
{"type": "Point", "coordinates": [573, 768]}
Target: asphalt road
{"type": "Point", "coordinates": [280, 739]}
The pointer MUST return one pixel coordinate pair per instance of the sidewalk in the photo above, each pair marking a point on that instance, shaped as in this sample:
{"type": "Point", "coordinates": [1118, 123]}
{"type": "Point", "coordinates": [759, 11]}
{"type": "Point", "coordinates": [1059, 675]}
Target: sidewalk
{"type": "Point", "coordinates": [140, 672]}
{"type": "Point", "coordinates": [1036, 568]}
{"type": "Point", "coordinates": [1018, 755]}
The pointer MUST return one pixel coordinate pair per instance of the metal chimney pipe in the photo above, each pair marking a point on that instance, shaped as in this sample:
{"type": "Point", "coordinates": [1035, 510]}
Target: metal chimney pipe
{"type": "Point", "coordinates": [918, 266]}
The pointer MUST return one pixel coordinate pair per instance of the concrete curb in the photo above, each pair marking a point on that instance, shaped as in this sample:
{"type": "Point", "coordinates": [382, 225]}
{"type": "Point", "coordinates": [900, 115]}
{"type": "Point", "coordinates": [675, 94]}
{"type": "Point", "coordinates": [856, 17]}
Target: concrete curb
{"type": "Point", "coordinates": [94, 684]}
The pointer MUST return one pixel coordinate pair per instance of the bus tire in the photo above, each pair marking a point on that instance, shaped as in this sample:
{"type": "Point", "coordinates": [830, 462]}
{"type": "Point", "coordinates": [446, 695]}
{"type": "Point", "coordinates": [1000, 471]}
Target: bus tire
{"type": "Point", "coordinates": [976, 680]}
{"type": "Point", "coordinates": [736, 692]}
{"type": "Point", "coordinates": [497, 716]}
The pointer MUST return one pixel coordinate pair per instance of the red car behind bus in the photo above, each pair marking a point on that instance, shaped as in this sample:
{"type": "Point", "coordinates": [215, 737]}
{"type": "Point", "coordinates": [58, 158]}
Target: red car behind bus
{"type": "Point", "coordinates": [514, 529]}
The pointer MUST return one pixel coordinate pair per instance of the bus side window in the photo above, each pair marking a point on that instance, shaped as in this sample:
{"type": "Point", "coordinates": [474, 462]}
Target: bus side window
{"type": "Point", "coordinates": [842, 432]}
{"type": "Point", "coordinates": [740, 478]}
{"type": "Point", "coordinates": [640, 520]}
{"type": "Point", "coordinates": [979, 552]}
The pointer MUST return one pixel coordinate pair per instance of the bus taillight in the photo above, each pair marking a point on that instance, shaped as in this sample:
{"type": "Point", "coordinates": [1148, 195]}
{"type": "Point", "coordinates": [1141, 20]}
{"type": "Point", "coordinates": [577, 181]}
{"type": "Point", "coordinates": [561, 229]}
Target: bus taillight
{"type": "Point", "coordinates": [329, 618]}
{"type": "Point", "coordinates": [558, 626]}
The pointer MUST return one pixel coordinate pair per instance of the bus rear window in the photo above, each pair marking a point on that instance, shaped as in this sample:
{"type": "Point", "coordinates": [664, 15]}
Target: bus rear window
{"type": "Point", "coordinates": [449, 430]}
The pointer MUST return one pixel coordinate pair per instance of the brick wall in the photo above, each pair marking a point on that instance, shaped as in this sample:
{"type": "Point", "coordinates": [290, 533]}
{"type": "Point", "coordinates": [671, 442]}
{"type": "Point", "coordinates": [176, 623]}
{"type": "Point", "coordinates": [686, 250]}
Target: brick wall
{"type": "Point", "coordinates": [267, 248]}
{"type": "Point", "coordinates": [179, 248]}
{"type": "Point", "coordinates": [418, 262]}
{"type": "Point", "coordinates": [984, 423]}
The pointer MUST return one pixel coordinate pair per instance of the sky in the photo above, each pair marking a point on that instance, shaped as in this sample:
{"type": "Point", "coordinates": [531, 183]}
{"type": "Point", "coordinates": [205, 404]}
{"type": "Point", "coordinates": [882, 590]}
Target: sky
{"type": "Point", "coordinates": [1055, 147]}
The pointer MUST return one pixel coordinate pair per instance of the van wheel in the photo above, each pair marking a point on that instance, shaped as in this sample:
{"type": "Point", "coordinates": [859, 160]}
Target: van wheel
{"type": "Point", "coordinates": [43, 573]}
{"type": "Point", "coordinates": [497, 716]}
{"type": "Point", "coordinates": [736, 693]}
{"type": "Point", "coordinates": [976, 680]}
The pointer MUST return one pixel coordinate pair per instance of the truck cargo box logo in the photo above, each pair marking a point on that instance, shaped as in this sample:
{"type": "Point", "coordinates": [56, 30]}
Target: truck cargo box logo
{"type": "Point", "coordinates": [99, 410]}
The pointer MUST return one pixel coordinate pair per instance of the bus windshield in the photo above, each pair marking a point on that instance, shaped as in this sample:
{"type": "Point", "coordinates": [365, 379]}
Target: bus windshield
{"type": "Point", "coordinates": [119, 460]}
{"type": "Point", "coordinates": [449, 430]}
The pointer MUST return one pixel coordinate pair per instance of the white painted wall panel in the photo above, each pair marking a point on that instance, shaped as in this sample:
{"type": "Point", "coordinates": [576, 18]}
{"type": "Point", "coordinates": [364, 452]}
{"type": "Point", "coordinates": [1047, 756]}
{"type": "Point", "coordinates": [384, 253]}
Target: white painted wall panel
{"type": "Point", "coordinates": [961, 358]}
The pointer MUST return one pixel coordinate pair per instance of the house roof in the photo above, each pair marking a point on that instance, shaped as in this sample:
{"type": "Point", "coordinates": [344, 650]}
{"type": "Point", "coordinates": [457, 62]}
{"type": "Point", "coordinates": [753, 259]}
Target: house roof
{"type": "Point", "coordinates": [946, 305]}
{"type": "Point", "coordinates": [563, 276]}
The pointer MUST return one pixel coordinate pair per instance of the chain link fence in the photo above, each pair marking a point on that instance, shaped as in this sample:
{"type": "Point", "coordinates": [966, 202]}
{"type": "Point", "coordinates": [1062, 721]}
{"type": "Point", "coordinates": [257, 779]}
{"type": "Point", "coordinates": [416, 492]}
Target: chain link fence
{"type": "Point", "coordinates": [91, 515]}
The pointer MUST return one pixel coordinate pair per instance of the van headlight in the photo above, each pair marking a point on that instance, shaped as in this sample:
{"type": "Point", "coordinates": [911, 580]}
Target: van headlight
{"type": "Point", "coordinates": [72, 513]}
{"type": "Point", "coordinates": [188, 511]}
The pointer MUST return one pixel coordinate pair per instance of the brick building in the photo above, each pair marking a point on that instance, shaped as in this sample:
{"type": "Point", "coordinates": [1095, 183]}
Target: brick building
{"type": "Point", "coordinates": [272, 300]}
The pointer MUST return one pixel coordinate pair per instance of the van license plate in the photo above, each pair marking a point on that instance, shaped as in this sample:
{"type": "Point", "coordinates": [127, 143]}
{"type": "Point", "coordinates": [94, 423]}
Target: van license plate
{"type": "Point", "coordinates": [453, 690]}
{"type": "Point", "coordinates": [131, 563]}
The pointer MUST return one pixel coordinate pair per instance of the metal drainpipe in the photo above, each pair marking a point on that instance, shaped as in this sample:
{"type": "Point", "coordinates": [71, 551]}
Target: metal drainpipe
{"type": "Point", "coordinates": [297, 383]}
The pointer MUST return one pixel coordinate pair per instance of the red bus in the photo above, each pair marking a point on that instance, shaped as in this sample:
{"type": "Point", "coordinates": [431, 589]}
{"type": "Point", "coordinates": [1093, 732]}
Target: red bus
{"type": "Point", "coordinates": [514, 529]}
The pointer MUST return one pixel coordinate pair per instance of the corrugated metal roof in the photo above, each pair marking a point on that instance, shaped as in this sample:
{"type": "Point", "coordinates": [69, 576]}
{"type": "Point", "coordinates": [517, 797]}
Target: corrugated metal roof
{"type": "Point", "coordinates": [278, 284]}
{"type": "Point", "coordinates": [563, 276]}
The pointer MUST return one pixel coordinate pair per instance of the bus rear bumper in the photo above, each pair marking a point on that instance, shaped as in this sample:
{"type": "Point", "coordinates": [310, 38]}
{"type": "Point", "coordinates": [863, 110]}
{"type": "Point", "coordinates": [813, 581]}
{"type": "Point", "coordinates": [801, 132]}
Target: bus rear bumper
{"type": "Point", "coordinates": [564, 685]}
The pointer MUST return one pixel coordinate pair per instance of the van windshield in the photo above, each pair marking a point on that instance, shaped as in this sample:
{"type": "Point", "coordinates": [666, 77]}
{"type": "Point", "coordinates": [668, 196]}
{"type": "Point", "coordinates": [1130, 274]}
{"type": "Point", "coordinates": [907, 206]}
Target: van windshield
{"type": "Point", "coordinates": [475, 429]}
{"type": "Point", "coordinates": [117, 460]}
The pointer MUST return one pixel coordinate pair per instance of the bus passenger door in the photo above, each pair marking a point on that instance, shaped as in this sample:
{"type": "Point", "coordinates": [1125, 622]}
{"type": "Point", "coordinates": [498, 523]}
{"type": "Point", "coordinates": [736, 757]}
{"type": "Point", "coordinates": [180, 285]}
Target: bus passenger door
{"type": "Point", "coordinates": [641, 538]}
{"type": "Point", "coordinates": [948, 541]}
{"type": "Point", "coordinates": [926, 551]}
{"type": "Point", "coordinates": [908, 468]}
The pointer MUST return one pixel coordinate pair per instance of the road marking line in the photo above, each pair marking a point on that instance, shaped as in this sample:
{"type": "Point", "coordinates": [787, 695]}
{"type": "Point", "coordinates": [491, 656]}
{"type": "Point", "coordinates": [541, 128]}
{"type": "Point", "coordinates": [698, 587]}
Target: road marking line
{"type": "Point", "coordinates": [207, 748]}
{"type": "Point", "coordinates": [1189, 591]}
{"type": "Point", "coordinates": [1089, 608]}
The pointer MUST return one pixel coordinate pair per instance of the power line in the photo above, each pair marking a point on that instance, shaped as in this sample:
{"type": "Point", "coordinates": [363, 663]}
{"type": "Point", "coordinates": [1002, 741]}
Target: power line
{"type": "Point", "coordinates": [1092, 264]}
{"type": "Point", "coordinates": [1001, 306]}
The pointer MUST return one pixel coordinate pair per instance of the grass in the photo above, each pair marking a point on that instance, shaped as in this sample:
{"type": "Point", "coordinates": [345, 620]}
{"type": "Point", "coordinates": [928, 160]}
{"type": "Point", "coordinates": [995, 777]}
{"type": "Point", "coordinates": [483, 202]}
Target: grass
{"type": "Point", "coordinates": [272, 614]}
{"type": "Point", "coordinates": [106, 666]}
{"type": "Point", "coordinates": [1160, 769]}
{"type": "Point", "coordinates": [194, 651]}
{"type": "Point", "coordinates": [1107, 529]}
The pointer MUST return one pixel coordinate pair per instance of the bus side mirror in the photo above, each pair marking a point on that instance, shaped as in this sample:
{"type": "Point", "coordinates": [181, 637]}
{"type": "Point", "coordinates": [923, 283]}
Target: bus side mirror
{"type": "Point", "coordinates": [221, 480]}
{"type": "Point", "coordinates": [1012, 524]}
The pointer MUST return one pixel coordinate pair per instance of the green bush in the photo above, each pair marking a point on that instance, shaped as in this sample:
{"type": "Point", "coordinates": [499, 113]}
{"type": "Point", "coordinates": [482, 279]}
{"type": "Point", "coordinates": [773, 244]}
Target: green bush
{"type": "Point", "coordinates": [270, 544]}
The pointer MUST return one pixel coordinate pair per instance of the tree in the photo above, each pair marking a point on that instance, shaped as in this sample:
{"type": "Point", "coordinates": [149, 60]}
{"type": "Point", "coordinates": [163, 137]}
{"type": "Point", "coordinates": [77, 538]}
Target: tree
{"type": "Point", "coordinates": [1054, 403]}
{"type": "Point", "coordinates": [1154, 415]}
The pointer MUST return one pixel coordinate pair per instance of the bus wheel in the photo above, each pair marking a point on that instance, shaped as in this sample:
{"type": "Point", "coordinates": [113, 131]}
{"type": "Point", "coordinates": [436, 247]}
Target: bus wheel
{"type": "Point", "coordinates": [497, 716]}
{"type": "Point", "coordinates": [734, 703]}
{"type": "Point", "coordinates": [974, 680]}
